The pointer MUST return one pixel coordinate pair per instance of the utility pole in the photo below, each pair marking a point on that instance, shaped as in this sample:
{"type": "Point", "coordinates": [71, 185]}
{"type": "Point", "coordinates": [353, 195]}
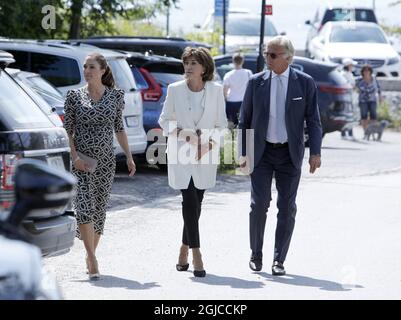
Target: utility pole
{"type": "Point", "coordinates": [168, 20]}
{"type": "Point", "coordinates": [260, 62]}
{"type": "Point", "coordinates": [224, 26]}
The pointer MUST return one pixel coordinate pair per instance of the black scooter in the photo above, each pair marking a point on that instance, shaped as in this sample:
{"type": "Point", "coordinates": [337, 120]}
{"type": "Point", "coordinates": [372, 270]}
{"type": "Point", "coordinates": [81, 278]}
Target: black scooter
{"type": "Point", "coordinates": [37, 186]}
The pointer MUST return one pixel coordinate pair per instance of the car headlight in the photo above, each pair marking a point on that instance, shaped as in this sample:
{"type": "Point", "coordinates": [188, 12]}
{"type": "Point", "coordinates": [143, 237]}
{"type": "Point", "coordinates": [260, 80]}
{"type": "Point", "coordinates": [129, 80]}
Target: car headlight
{"type": "Point", "coordinates": [393, 60]}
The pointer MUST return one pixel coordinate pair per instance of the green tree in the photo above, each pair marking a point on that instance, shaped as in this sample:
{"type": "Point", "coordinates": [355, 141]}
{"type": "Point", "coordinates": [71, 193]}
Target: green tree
{"type": "Point", "coordinates": [74, 18]}
{"type": "Point", "coordinates": [91, 17]}
{"type": "Point", "coordinates": [23, 19]}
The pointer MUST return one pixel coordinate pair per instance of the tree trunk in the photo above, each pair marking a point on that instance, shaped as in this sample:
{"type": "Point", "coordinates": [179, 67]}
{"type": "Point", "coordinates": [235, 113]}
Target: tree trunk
{"type": "Point", "coordinates": [76, 10]}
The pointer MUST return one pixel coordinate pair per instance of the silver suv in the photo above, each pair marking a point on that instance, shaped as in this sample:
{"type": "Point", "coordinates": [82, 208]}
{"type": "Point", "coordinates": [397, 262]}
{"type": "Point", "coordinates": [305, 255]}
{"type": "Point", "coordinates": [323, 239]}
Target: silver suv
{"type": "Point", "coordinates": [328, 13]}
{"type": "Point", "coordinates": [62, 65]}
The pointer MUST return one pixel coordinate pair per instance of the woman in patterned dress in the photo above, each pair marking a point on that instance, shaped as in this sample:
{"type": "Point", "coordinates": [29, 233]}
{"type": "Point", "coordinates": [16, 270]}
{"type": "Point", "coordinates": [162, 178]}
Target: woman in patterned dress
{"type": "Point", "coordinates": [91, 114]}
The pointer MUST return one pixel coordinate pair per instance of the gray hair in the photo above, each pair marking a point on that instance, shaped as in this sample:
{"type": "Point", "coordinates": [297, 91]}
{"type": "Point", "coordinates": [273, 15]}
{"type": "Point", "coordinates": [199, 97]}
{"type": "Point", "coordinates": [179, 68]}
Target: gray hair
{"type": "Point", "coordinates": [284, 42]}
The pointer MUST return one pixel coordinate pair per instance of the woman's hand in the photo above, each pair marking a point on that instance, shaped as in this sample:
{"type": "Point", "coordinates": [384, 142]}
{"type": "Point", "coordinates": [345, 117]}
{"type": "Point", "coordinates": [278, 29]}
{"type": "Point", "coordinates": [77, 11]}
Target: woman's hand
{"type": "Point", "coordinates": [189, 136]}
{"type": "Point", "coordinates": [202, 150]}
{"type": "Point", "coordinates": [131, 167]}
{"type": "Point", "coordinates": [80, 165]}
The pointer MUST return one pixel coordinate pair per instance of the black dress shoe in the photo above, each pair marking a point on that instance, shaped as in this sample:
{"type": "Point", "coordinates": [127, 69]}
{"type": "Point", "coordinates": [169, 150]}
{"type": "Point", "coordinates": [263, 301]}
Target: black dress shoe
{"type": "Point", "coordinates": [255, 264]}
{"type": "Point", "coordinates": [278, 269]}
{"type": "Point", "coordinates": [200, 273]}
{"type": "Point", "coordinates": [183, 267]}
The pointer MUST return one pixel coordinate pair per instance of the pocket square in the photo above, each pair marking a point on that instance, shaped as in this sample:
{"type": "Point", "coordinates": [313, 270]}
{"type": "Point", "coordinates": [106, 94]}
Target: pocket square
{"type": "Point", "coordinates": [297, 98]}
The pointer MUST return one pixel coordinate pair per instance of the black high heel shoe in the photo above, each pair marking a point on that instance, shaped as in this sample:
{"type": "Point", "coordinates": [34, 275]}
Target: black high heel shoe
{"type": "Point", "coordinates": [183, 267]}
{"type": "Point", "coordinates": [199, 271]}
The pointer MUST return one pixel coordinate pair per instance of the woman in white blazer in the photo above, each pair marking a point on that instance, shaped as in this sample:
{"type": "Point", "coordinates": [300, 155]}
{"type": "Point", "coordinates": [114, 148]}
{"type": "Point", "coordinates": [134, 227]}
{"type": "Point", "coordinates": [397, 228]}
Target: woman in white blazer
{"type": "Point", "coordinates": [193, 118]}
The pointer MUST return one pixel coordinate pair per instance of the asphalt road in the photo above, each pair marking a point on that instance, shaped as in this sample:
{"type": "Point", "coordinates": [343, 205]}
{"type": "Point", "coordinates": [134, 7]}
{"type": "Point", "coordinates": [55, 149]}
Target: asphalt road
{"type": "Point", "coordinates": [345, 245]}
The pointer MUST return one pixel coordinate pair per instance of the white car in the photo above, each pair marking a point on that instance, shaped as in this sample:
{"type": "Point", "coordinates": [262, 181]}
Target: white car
{"type": "Point", "coordinates": [62, 65]}
{"type": "Point", "coordinates": [242, 30]}
{"type": "Point", "coordinates": [364, 42]}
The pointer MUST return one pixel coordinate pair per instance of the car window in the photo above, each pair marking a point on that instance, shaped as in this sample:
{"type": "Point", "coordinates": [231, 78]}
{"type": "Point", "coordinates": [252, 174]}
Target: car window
{"type": "Point", "coordinates": [248, 26]}
{"type": "Point", "coordinates": [41, 84]}
{"type": "Point", "coordinates": [21, 60]}
{"type": "Point", "coordinates": [345, 14]}
{"type": "Point", "coordinates": [40, 101]}
{"type": "Point", "coordinates": [365, 15]}
{"type": "Point", "coordinates": [359, 34]}
{"type": "Point", "coordinates": [139, 79]}
{"type": "Point", "coordinates": [164, 79]}
{"type": "Point", "coordinates": [17, 109]}
{"type": "Point", "coordinates": [60, 71]}
{"type": "Point", "coordinates": [165, 67]}
{"type": "Point", "coordinates": [224, 68]}
{"type": "Point", "coordinates": [122, 74]}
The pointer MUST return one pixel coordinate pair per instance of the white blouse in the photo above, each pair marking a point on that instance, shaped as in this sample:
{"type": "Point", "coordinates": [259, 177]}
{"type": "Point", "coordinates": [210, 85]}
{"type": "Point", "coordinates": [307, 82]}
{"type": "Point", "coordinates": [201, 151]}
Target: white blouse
{"type": "Point", "coordinates": [196, 103]}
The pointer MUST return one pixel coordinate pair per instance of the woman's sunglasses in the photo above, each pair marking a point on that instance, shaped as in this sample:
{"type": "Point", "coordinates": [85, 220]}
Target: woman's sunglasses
{"type": "Point", "coordinates": [273, 55]}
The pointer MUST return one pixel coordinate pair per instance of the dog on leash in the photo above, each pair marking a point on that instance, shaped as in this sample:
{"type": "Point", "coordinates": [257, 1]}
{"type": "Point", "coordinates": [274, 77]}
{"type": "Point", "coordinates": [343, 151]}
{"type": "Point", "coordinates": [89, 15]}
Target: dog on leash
{"type": "Point", "coordinates": [375, 130]}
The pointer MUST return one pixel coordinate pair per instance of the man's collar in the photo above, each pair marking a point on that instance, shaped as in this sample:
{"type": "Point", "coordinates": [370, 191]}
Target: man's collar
{"type": "Point", "coordinates": [286, 73]}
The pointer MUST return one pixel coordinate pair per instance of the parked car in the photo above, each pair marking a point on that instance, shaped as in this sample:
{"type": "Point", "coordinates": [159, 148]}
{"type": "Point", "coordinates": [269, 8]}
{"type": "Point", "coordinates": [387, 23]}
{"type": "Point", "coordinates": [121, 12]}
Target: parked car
{"type": "Point", "coordinates": [49, 110]}
{"type": "Point", "coordinates": [242, 30]}
{"type": "Point", "coordinates": [26, 132]}
{"type": "Point", "coordinates": [364, 42]}
{"type": "Point", "coordinates": [42, 87]}
{"type": "Point", "coordinates": [62, 65]}
{"type": "Point", "coordinates": [153, 74]}
{"type": "Point", "coordinates": [170, 47]}
{"type": "Point", "coordinates": [328, 13]}
{"type": "Point", "coordinates": [334, 98]}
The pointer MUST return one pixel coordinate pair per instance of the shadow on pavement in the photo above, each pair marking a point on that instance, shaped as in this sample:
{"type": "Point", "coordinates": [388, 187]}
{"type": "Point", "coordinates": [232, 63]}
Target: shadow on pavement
{"type": "Point", "coordinates": [295, 280]}
{"type": "Point", "coordinates": [106, 281]}
{"type": "Point", "coordinates": [235, 283]}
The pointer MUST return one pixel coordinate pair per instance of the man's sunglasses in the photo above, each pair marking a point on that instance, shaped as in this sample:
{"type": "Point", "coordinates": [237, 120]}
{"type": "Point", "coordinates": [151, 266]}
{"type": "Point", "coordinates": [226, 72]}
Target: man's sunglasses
{"type": "Point", "coordinates": [273, 55]}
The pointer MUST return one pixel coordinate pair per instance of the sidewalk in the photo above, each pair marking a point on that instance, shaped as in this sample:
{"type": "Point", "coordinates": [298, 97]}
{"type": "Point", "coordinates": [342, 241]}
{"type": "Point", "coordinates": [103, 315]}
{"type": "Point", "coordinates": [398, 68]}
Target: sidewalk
{"type": "Point", "coordinates": [346, 245]}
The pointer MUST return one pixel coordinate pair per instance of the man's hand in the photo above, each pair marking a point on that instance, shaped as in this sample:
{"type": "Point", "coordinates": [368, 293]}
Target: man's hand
{"type": "Point", "coordinates": [314, 162]}
{"type": "Point", "coordinates": [244, 164]}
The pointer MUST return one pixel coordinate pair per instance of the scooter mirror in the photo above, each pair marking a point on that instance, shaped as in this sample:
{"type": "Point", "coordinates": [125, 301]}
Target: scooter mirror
{"type": "Point", "coordinates": [39, 186]}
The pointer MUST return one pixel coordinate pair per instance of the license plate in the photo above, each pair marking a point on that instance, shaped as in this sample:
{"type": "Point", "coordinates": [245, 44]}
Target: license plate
{"type": "Point", "coordinates": [132, 121]}
{"type": "Point", "coordinates": [56, 162]}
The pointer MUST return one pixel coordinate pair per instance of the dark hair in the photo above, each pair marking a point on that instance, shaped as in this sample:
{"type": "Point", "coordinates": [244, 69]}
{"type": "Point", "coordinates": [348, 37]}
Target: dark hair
{"type": "Point", "coordinates": [203, 57]}
{"type": "Point", "coordinates": [107, 78]}
{"type": "Point", "coordinates": [238, 58]}
{"type": "Point", "coordinates": [366, 67]}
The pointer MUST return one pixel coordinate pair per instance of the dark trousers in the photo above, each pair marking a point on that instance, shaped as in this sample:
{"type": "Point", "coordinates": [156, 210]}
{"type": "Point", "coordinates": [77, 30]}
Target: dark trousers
{"type": "Point", "coordinates": [191, 210]}
{"type": "Point", "coordinates": [232, 111]}
{"type": "Point", "coordinates": [275, 161]}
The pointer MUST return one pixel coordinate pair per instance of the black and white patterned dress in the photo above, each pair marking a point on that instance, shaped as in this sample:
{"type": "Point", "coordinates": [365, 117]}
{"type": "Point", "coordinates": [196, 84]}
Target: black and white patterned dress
{"type": "Point", "coordinates": [91, 124]}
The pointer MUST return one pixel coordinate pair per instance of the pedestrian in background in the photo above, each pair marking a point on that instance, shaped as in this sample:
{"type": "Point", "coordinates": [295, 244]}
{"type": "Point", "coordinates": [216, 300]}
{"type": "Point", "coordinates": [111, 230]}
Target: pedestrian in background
{"type": "Point", "coordinates": [235, 82]}
{"type": "Point", "coordinates": [91, 114]}
{"type": "Point", "coordinates": [276, 105]}
{"type": "Point", "coordinates": [348, 66]}
{"type": "Point", "coordinates": [369, 95]}
{"type": "Point", "coordinates": [192, 115]}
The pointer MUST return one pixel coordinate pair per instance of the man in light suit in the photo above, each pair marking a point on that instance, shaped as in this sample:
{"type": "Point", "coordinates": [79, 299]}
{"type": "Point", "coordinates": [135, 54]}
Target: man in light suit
{"type": "Point", "coordinates": [276, 105]}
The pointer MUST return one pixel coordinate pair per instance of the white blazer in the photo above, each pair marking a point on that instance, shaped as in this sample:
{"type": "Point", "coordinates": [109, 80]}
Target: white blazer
{"type": "Point", "coordinates": [181, 161]}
